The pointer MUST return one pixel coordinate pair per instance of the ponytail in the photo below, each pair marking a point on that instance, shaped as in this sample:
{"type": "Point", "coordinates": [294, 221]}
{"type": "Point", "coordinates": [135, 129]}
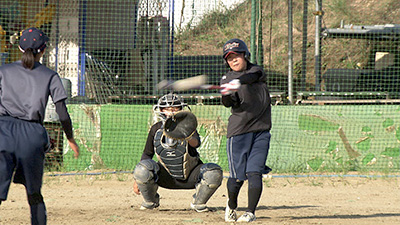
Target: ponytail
{"type": "Point", "coordinates": [28, 59]}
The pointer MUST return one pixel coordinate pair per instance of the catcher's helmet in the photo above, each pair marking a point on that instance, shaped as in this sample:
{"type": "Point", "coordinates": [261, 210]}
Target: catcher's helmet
{"type": "Point", "coordinates": [168, 100]}
{"type": "Point", "coordinates": [235, 45]}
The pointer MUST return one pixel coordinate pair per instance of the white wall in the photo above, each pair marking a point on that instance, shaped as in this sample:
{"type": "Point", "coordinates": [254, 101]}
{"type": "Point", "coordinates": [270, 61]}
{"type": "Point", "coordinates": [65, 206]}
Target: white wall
{"type": "Point", "coordinates": [195, 9]}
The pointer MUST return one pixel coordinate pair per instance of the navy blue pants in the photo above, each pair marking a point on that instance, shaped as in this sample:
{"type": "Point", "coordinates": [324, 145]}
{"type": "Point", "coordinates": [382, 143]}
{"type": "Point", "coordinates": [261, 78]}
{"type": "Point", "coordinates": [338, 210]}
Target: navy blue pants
{"type": "Point", "coordinates": [22, 148]}
{"type": "Point", "coordinates": [247, 153]}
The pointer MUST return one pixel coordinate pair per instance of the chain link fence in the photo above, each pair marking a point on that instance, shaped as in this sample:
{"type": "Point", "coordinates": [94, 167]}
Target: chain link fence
{"type": "Point", "coordinates": [334, 97]}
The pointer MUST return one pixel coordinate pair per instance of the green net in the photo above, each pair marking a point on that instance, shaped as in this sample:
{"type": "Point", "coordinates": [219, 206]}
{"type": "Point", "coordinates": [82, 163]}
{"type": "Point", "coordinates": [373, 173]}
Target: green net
{"type": "Point", "coordinates": [335, 97]}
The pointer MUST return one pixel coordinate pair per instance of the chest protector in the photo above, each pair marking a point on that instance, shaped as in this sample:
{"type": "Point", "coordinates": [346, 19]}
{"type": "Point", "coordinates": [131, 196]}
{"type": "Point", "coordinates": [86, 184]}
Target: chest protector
{"type": "Point", "coordinates": [174, 155]}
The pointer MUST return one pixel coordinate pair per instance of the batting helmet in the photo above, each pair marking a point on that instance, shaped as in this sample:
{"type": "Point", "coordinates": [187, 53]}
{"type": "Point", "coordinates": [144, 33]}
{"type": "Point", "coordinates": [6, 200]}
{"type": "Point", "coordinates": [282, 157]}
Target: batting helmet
{"type": "Point", "coordinates": [235, 46]}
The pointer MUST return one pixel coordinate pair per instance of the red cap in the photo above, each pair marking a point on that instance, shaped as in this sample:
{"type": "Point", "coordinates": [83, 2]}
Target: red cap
{"type": "Point", "coordinates": [227, 54]}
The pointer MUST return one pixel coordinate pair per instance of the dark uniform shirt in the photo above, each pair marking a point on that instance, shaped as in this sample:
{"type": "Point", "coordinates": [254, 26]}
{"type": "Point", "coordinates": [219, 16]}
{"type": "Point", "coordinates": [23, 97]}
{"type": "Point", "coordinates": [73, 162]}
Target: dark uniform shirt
{"type": "Point", "coordinates": [24, 93]}
{"type": "Point", "coordinates": [251, 104]}
{"type": "Point", "coordinates": [148, 152]}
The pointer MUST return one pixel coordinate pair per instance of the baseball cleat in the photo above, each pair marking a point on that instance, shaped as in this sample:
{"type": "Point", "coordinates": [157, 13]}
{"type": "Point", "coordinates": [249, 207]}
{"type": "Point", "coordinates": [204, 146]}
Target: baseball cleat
{"type": "Point", "coordinates": [151, 205]}
{"type": "Point", "coordinates": [230, 214]}
{"type": "Point", "coordinates": [199, 208]}
{"type": "Point", "coordinates": [247, 217]}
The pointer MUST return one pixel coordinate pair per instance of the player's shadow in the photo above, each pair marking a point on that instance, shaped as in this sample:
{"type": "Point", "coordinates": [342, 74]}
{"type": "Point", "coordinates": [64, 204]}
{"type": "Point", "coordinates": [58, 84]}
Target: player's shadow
{"type": "Point", "coordinates": [210, 209]}
{"type": "Point", "coordinates": [284, 207]}
{"type": "Point", "coordinates": [263, 207]}
{"type": "Point", "coordinates": [354, 216]}
{"type": "Point", "coordinates": [175, 210]}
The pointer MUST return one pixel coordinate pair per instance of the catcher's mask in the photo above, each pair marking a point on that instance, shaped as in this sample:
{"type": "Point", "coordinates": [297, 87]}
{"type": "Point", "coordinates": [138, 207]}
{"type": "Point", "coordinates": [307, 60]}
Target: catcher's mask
{"type": "Point", "coordinates": [167, 101]}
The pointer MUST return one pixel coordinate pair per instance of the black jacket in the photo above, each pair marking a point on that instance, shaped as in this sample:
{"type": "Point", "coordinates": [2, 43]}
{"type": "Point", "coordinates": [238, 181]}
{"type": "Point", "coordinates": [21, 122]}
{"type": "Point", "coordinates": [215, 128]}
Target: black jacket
{"type": "Point", "coordinates": [251, 104]}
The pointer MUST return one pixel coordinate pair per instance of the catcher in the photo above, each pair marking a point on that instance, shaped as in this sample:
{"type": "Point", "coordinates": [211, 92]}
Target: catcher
{"type": "Point", "coordinates": [174, 140]}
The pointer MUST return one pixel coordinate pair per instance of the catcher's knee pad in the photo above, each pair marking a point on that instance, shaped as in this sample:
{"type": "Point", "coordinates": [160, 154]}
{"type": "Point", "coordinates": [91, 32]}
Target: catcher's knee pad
{"type": "Point", "coordinates": [146, 171]}
{"type": "Point", "coordinates": [210, 179]}
{"type": "Point", "coordinates": [35, 198]}
{"type": "Point", "coordinates": [211, 174]}
{"type": "Point", "coordinates": [145, 174]}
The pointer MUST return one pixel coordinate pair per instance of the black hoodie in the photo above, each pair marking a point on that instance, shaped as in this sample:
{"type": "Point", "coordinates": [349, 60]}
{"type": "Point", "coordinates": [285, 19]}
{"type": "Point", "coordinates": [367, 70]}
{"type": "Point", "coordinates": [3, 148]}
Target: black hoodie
{"type": "Point", "coordinates": [251, 104]}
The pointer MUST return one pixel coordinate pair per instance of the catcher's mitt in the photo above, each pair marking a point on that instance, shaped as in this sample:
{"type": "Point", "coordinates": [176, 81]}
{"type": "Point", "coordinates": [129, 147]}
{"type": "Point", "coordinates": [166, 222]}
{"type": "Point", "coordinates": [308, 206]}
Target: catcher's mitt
{"type": "Point", "coordinates": [180, 126]}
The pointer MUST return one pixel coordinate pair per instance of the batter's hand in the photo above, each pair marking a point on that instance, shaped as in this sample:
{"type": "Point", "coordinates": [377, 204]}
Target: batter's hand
{"type": "Point", "coordinates": [136, 188]}
{"type": "Point", "coordinates": [230, 87]}
{"type": "Point", "coordinates": [74, 146]}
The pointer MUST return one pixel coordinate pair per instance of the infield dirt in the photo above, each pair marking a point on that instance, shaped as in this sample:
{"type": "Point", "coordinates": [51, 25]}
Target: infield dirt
{"type": "Point", "coordinates": [109, 199]}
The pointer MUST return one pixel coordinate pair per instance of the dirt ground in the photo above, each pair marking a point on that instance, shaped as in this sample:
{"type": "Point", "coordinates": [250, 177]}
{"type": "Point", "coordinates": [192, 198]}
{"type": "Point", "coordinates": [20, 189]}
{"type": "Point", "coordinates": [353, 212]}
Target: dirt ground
{"type": "Point", "coordinates": [109, 199]}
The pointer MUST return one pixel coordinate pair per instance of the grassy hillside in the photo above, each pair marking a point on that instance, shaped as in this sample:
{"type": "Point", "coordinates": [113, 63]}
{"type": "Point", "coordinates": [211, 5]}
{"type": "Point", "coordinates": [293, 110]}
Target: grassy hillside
{"type": "Point", "coordinates": [216, 28]}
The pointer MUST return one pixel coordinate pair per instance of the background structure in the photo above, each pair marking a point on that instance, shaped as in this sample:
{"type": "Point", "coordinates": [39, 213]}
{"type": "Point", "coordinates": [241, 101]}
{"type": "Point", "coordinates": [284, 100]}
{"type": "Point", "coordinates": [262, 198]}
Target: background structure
{"type": "Point", "coordinates": [332, 68]}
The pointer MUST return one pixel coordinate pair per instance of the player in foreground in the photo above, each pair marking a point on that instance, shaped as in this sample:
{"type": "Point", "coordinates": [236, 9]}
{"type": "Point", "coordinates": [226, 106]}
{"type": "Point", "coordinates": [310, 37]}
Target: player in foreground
{"type": "Point", "coordinates": [25, 87]}
{"type": "Point", "coordinates": [178, 166]}
{"type": "Point", "coordinates": [246, 93]}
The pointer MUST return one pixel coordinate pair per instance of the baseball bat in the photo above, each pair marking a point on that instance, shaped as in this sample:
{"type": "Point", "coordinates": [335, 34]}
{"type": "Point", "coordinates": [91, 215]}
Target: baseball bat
{"type": "Point", "coordinates": [196, 82]}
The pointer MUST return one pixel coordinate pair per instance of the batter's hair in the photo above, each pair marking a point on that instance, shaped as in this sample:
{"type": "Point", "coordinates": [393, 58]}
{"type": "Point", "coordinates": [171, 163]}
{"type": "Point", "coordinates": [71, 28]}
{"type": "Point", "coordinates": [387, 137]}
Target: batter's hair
{"type": "Point", "coordinates": [28, 59]}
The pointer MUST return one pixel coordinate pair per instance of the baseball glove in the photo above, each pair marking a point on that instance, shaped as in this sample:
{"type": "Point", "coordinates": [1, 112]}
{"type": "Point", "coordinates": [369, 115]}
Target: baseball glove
{"type": "Point", "coordinates": [180, 126]}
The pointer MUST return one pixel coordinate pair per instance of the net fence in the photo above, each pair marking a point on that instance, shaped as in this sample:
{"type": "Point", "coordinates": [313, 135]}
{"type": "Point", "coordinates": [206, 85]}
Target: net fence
{"type": "Point", "coordinates": [335, 97]}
